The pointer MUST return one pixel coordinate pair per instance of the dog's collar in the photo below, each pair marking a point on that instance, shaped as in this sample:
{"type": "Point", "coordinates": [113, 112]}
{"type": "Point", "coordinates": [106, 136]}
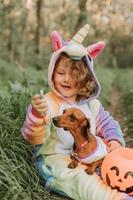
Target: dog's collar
{"type": "Point", "coordinates": [74, 152]}
{"type": "Point", "coordinates": [78, 149]}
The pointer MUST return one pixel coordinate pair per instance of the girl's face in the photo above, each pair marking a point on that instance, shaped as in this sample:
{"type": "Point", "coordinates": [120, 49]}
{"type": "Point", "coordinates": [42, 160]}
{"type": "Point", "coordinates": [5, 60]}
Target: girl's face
{"type": "Point", "coordinates": [63, 81]}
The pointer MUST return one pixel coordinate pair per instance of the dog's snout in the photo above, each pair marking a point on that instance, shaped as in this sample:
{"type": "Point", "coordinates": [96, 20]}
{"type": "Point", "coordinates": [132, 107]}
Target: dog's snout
{"type": "Point", "coordinates": [56, 121]}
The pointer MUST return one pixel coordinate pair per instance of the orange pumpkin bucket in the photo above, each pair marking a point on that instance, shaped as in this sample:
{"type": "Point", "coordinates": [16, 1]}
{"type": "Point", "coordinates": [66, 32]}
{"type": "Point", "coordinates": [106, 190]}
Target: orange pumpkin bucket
{"type": "Point", "coordinates": [117, 170]}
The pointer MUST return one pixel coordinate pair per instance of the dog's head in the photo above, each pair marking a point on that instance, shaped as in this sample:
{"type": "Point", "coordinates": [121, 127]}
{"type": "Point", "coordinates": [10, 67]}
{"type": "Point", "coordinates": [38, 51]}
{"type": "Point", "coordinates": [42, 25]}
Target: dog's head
{"type": "Point", "coordinates": [74, 120]}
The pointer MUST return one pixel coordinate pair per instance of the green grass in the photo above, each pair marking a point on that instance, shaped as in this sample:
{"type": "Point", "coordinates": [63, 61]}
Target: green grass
{"type": "Point", "coordinates": [125, 85]}
{"type": "Point", "coordinates": [106, 78]}
{"type": "Point", "coordinates": [18, 78]}
{"type": "Point", "coordinates": [18, 176]}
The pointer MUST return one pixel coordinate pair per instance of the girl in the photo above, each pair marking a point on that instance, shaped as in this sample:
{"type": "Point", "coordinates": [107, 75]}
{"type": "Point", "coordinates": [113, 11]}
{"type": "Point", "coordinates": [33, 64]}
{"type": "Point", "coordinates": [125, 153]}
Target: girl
{"type": "Point", "coordinates": [73, 83]}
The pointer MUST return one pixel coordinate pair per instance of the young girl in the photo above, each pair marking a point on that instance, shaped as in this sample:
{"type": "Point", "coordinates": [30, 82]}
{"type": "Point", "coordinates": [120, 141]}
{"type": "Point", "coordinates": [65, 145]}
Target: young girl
{"type": "Point", "coordinates": [73, 83]}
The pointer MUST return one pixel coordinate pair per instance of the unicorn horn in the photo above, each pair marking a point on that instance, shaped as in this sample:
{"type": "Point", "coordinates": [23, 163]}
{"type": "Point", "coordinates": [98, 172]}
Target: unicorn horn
{"type": "Point", "coordinates": [81, 35]}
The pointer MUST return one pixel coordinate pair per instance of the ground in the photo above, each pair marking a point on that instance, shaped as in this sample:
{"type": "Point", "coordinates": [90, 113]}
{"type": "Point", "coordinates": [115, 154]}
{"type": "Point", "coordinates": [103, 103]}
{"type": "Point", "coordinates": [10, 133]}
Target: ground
{"type": "Point", "coordinates": [117, 111]}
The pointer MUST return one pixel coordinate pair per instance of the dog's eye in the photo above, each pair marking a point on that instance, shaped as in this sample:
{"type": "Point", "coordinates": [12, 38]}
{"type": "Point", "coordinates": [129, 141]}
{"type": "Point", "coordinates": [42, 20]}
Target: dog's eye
{"type": "Point", "coordinates": [64, 111]}
{"type": "Point", "coordinates": [72, 117]}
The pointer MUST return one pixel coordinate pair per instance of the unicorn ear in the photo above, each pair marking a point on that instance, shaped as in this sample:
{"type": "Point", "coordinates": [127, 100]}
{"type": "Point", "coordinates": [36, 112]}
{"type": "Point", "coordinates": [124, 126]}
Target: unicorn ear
{"type": "Point", "coordinates": [57, 42]}
{"type": "Point", "coordinates": [95, 49]}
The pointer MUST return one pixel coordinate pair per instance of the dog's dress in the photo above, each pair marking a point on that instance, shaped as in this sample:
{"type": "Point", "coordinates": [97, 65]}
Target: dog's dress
{"type": "Point", "coordinates": [52, 147]}
{"type": "Point", "coordinates": [97, 154]}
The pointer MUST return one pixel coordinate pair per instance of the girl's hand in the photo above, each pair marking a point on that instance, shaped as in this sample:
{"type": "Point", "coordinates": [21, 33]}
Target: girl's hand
{"type": "Point", "coordinates": [39, 104]}
{"type": "Point", "coordinates": [112, 145]}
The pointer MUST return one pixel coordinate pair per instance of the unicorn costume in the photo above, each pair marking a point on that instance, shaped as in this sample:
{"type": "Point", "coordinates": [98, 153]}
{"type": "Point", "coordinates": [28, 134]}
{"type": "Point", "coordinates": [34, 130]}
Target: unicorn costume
{"type": "Point", "coordinates": [52, 145]}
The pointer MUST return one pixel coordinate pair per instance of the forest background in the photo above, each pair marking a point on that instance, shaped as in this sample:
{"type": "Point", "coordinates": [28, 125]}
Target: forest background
{"type": "Point", "coordinates": [25, 51]}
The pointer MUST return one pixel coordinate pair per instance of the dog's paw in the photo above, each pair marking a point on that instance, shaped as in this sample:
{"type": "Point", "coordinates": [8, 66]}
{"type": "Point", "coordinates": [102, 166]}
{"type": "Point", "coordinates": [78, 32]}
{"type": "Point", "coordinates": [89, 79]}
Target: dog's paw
{"type": "Point", "coordinates": [73, 165]}
{"type": "Point", "coordinates": [89, 171]}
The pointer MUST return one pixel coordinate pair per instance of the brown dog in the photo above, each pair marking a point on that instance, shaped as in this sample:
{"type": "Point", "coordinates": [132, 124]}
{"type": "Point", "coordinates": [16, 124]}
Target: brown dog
{"type": "Point", "coordinates": [75, 121]}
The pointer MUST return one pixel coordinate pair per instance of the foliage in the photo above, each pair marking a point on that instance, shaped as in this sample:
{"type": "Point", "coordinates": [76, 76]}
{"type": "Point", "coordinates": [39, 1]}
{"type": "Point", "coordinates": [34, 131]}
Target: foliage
{"type": "Point", "coordinates": [106, 78]}
{"type": "Point", "coordinates": [120, 49]}
{"type": "Point", "coordinates": [125, 85]}
{"type": "Point", "coordinates": [18, 176]}
{"type": "Point", "coordinates": [25, 33]}
{"type": "Point", "coordinates": [15, 77]}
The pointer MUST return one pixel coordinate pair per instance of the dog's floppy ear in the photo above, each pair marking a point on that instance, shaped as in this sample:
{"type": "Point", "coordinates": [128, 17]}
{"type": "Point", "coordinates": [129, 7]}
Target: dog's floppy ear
{"type": "Point", "coordinates": [86, 128]}
{"type": "Point", "coordinates": [88, 123]}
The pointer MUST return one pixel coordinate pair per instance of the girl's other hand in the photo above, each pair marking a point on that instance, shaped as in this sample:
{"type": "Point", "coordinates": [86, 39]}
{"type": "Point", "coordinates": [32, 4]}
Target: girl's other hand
{"type": "Point", "coordinates": [112, 145]}
{"type": "Point", "coordinates": [39, 104]}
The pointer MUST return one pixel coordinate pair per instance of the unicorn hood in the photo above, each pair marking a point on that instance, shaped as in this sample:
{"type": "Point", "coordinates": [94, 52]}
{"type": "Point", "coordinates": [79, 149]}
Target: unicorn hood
{"type": "Point", "coordinates": [76, 51]}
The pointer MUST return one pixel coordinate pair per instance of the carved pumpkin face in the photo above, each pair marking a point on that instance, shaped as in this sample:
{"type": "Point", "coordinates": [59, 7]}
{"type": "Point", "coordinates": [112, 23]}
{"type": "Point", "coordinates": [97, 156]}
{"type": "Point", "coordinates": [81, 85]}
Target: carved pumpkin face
{"type": "Point", "coordinates": [117, 170]}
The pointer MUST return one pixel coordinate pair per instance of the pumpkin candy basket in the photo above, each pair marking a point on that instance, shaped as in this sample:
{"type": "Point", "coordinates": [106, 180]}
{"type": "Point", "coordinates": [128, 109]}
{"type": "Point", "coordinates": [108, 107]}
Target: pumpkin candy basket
{"type": "Point", "coordinates": [117, 170]}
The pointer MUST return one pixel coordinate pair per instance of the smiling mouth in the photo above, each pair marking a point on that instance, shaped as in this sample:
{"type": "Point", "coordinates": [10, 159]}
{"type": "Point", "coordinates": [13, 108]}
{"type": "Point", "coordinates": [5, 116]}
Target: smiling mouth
{"type": "Point", "coordinates": [128, 190]}
{"type": "Point", "coordinates": [66, 86]}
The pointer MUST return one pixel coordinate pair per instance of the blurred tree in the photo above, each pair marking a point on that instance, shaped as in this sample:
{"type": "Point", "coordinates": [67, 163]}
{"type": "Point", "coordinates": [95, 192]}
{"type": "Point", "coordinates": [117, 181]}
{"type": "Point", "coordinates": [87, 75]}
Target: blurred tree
{"type": "Point", "coordinates": [37, 31]}
{"type": "Point", "coordinates": [82, 16]}
{"type": "Point", "coordinates": [7, 27]}
{"type": "Point", "coordinates": [38, 26]}
{"type": "Point", "coordinates": [26, 25]}
{"type": "Point", "coordinates": [10, 43]}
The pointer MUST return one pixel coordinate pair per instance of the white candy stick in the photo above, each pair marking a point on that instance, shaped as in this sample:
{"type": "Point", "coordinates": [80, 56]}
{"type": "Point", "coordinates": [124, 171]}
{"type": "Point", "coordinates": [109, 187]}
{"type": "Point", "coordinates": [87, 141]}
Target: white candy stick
{"type": "Point", "coordinates": [41, 93]}
{"type": "Point", "coordinates": [42, 97]}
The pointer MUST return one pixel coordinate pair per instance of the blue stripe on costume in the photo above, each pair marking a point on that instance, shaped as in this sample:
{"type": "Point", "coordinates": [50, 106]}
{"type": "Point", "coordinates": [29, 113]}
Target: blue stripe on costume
{"type": "Point", "coordinates": [45, 172]}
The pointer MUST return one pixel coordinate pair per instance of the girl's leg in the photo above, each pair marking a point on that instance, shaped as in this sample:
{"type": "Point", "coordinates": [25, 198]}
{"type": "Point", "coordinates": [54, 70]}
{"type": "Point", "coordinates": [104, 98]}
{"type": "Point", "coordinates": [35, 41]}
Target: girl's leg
{"type": "Point", "coordinates": [74, 182]}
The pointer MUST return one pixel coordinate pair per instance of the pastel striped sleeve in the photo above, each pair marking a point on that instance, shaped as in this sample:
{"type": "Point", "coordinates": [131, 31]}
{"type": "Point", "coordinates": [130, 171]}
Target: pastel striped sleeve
{"type": "Point", "coordinates": [107, 127]}
{"type": "Point", "coordinates": [33, 129]}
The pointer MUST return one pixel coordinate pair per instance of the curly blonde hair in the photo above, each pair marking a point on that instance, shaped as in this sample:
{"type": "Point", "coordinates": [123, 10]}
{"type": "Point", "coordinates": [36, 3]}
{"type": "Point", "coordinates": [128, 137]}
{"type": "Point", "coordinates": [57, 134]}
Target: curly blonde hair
{"type": "Point", "coordinates": [83, 77]}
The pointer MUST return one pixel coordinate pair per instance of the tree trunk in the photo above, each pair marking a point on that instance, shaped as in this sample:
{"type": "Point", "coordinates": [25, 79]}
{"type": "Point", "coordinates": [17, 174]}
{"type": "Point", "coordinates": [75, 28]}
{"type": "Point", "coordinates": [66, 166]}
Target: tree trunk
{"type": "Point", "coordinates": [82, 15]}
{"type": "Point", "coordinates": [10, 43]}
{"type": "Point", "coordinates": [39, 5]}
{"type": "Point", "coordinates": [24, 38]}
{"type": "Point", "coordinates": [38, 27]}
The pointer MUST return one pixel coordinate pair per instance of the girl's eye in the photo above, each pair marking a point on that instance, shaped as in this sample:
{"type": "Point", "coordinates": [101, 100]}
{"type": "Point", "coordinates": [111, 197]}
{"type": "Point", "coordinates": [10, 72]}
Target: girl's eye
{"type": "Point", "coordinates": [61, 73]}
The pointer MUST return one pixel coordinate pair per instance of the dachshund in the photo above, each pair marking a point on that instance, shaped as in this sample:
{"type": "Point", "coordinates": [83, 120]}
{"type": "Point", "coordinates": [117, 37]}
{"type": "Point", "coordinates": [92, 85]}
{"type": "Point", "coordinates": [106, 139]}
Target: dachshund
{"type": "Point", "coordinates": [85, 143]}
